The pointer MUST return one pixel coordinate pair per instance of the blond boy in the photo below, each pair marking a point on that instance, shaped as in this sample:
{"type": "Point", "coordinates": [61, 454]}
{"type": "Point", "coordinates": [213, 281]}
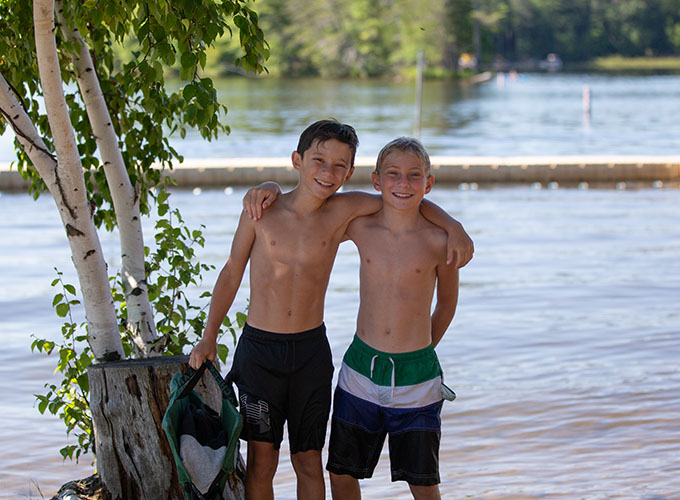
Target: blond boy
{"type": "Point", "coordinates": [390, 380]}
{"type": "Point", "coordinates": [282, 364]}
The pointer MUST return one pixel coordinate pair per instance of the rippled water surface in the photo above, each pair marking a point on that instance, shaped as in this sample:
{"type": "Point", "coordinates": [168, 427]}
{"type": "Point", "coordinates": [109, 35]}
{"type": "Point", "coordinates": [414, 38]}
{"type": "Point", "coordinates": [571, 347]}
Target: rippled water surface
{"type": "Point", "coordinates": [563, 352]}
{"type": "Point", "coordinates": [534, 114]}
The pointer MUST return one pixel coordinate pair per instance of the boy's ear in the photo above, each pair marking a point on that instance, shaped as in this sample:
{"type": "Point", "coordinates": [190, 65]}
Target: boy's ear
{"type": "Point", "coordinates": [376, 180]}
{"type": "Point", "coordinates": [296, 158]}
{"type": "Point", "coordinates": [349, 174]}
{"type": "Point", "coordinates": [430, 183]}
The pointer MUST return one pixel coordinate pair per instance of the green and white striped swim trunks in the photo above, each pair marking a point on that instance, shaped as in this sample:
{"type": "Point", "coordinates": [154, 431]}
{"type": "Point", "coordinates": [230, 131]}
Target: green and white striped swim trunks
{"type": "Point", "coordinates": [382, 393]}
{"type": "Point", "coordinates": [394, 380]}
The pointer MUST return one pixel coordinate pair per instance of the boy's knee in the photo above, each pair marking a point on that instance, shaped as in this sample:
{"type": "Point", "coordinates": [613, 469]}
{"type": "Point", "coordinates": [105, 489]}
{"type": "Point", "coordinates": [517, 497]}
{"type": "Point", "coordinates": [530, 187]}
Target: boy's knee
{"type": "Point", "coordinates": [263, 460]}
{"type": "Point", "coordinates": [344, 487]}
{"type": "Point", "coordinates": [341, 479]}
{"type": "Point", "coordinates": [307, 463]}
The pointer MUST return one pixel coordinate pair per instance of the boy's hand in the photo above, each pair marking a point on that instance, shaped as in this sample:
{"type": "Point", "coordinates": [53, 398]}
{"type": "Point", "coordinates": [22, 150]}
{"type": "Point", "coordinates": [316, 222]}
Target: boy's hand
{"type": "Point", "coordinates": [459, 247]}
{"type": "Point", "coordinates": [259, 198]}
{"type": "Point", "coordinates": [205, 349]}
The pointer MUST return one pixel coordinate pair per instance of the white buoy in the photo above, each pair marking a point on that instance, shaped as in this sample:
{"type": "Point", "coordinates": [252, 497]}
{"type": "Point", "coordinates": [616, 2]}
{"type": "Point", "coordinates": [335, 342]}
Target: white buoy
{"type": "Point", "coordinates": [586, 100]}
{"type": "Point", "coordinates": [196, 191]}
{"type": "Point", "coordinates": [536, 185]}
{"type": "Point", "coordinates": [620, 186]}
{"type": "Point", "coordinates": [583, 185]}
{"type": "Point", "coordinates": [657, 184]}
{"type": "Point", "coordinates": [553, 185]}
{"type": "Point", "coordinates": [229, 190]}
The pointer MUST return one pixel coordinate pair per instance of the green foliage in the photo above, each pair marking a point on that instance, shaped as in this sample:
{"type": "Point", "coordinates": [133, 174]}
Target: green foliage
{"type": "Point", "coordinates": [172, 268]}
{"type": "Point", "coordinates": [144, 111]}
{"type": "Point", "coordinates": [164, 36]}
{"type": "Point", "coordinates": [628, 64]}
{"type": "Point", "coordinates": [359, 38]}
{"type": "Point", "coordinates": [68, 400]}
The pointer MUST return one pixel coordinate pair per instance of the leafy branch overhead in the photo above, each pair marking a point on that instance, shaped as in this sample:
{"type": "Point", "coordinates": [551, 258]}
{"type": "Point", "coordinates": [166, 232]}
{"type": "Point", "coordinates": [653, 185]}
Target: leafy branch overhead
{"type": "Point", "coordinates": [144, 109]}
{"type": "Point", "coordinates": [90, 128]}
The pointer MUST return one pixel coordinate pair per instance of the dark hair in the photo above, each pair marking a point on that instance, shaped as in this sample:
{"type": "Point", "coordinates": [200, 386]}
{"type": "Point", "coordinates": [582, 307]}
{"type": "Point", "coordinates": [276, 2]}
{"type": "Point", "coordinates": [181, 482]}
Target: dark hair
{"type": "Point", "coordinates": [405, 145]}
{"type": "Point", "coordinates": [324, 130]}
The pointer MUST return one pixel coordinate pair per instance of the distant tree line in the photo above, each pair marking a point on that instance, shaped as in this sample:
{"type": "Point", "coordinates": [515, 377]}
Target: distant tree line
{"type": "Point", "coordinates": [371, 38]}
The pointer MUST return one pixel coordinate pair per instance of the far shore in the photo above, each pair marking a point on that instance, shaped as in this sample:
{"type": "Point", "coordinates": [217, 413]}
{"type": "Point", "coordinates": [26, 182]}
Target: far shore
{"type": "Point", "coordinates": [620, 63]}
{"type": "Point", "coordinates": [225, 172]}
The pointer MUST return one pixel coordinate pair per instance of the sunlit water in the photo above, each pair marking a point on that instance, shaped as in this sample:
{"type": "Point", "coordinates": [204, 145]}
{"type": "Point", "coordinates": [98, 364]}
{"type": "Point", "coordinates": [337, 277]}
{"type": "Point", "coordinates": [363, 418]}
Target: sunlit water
{"type": "Point", "coordinates": [534, 114]}
{"type": "Point", "coordinates": [563, 352]}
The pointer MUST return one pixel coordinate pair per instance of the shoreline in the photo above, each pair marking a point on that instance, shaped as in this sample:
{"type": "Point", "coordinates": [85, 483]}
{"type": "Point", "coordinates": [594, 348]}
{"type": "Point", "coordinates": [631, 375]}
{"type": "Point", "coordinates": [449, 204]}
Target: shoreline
{"type": "Point", "coordinates": [223, 172]}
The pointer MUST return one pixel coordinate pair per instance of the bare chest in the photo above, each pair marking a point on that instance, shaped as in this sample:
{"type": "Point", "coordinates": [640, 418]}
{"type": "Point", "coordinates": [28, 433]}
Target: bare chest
{"type": "Point", "coordinates": [397, 260]}
{"type": "Point", "coordinates": [293, 241]}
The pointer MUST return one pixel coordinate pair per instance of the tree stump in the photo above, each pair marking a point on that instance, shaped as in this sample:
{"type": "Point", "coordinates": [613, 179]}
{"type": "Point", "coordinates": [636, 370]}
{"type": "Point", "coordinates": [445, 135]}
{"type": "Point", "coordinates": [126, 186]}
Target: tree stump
{"type": "Point", "coordinates": [128, 400]}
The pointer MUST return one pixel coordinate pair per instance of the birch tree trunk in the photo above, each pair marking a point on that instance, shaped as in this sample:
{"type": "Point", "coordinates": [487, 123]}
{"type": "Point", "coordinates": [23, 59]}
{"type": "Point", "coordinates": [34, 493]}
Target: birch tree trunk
{"type": "Point", "coordinates": [71, 196]}
{"type": "Point", "coordinates": [125, 198]}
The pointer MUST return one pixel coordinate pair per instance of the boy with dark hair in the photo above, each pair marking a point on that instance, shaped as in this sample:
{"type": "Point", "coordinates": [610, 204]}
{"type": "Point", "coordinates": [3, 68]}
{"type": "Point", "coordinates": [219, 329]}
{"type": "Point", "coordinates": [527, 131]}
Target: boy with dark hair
{"type": "Point", "coordinates": [282, 364]}
{"type": "Point", "coordinates": [390, 381]}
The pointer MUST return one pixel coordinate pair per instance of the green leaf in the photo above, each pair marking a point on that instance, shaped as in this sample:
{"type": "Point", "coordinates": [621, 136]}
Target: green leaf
{"type": "Point", "coordinates": [241, 319]}
{"type": "Point", "coordinates": [190, 90]}
{"type": "Point", "coordinates": [222, 352]}
{"type": "Point", "coordinates": [42, 406]}
{"type": "Point", "coordinates": [62, 310]}
{"type": "Point", "coordinates": [83, 383]}
{"type": "Point", "coordinates": [188, 60]}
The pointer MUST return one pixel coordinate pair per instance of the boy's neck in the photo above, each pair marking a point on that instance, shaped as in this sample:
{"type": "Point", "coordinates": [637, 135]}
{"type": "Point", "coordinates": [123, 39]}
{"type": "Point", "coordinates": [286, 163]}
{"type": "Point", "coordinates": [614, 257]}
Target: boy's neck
{"type": "Point", "coordinates": [302, 202]}
{"type": "Point", "coordinates": [400, 220]}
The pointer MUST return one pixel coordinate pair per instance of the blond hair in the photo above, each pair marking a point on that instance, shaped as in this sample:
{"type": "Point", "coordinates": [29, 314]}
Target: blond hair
{"type": "Point", "coordinates": [404, 145]}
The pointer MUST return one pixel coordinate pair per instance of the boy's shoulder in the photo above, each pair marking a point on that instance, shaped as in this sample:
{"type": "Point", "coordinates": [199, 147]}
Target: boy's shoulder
{"type": "Point", "coordinates": [432, 235]}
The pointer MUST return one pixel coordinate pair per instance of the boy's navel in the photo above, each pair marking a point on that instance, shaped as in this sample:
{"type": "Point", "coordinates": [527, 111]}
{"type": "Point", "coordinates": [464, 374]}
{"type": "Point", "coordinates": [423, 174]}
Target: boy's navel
{"type": "Point", "coordinates": [273, 243]}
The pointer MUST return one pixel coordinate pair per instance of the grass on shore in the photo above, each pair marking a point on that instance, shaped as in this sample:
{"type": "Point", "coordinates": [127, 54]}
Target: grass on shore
{"type": "Point", "coordinates": [620, 63]}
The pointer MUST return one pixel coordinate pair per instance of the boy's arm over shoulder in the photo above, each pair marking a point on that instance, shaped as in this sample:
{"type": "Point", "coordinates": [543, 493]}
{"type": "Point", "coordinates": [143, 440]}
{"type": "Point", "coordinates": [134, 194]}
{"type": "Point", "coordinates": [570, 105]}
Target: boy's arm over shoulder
{"type": "Point", "coordinates": [357, 227]}
{"type": "Point", "coordinates": [225, 289]}
{"type": "Point", "coordinates": [258, 198]}
{"type": "Point", "coordinates": [447, 299]}
{"type": "Point", "coordinates": [459, 247]}
{"type": "Point", "coordinates": [357, 203]}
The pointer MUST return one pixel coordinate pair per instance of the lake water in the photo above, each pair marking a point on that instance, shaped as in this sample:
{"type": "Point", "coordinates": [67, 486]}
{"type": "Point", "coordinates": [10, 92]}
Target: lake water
{"type": "Point", "coordinates": [535, 114]}
{"type": "Point", "coordinates": [563, 351]}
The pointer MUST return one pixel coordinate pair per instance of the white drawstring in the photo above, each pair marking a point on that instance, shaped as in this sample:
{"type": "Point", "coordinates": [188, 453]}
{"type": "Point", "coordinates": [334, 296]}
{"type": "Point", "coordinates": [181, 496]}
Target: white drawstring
{"type": "Point", "coordinates": [393, 370]}
{"type": "Point", "coordinates": [393, 377]}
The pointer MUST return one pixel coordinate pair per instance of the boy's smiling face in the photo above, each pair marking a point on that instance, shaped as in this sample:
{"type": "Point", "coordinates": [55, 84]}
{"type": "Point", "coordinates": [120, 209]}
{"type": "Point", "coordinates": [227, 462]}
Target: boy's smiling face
{"type": "Point", "coordinates": [403, 179]}
{"type": "Point", "coordinates": [325, 166]}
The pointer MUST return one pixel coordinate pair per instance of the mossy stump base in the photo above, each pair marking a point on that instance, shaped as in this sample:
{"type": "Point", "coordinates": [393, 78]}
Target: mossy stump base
{"type": "Point", "coordinates": [89, 488]}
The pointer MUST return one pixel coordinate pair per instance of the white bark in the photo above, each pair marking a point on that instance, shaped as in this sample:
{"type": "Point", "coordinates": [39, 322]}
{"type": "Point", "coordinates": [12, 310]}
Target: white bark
{"type": "Point", "coordinates": [43, 159]}
{"type": "Point", "coordinates": [125, 198]}
{"type": "Point", "coordinates": [71, 199]}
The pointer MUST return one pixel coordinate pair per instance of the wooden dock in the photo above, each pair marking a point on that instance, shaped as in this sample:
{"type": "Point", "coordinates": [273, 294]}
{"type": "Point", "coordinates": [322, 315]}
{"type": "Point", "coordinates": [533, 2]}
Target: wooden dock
{"type": "Point", "coordinates": [568, 170]}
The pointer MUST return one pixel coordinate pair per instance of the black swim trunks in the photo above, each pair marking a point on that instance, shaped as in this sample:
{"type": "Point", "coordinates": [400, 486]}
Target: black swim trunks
{"type": "Point", "coordinates": [284, 377]}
